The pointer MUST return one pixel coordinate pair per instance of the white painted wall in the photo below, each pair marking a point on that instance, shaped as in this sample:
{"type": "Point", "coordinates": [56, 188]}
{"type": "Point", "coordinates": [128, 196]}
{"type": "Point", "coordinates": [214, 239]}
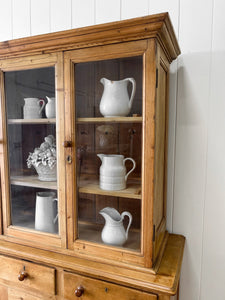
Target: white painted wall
{"type": "Point", "coordinates": [196, 185]}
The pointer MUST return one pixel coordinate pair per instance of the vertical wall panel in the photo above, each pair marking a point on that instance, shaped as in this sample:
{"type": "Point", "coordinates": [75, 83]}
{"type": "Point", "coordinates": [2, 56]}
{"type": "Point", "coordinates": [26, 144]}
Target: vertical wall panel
{"type": "Point", "coordinates": [40, 16]}
{"type": "Point", "coordinates": [133, 8]}
{"type": "Point", "coordinates": [172, 7]}
{"type": "Point", "coordinates": [191, 137]}
{"type": "Point", "coordinates": [60, 15]}
{"type": "Point", "coordinates": [5, 20]}
{"type": "Point", "coordinates": [107, 11]}
{"type": "Point", "coordinates": [21, 18]}
{"type": "Point", "coordinates": [83, 13]}
{"type": "Point", "coordinates": [213, 263]}
{"type": "Point", "coordinates": [195, 25]}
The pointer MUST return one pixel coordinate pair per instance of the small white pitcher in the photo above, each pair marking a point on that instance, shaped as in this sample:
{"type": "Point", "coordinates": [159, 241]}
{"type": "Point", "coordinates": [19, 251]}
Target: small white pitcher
{"type": "Point", "coordinates": [50, 107]}
{"type": "Point", "coordinates": [46, 215]}
{"type": "Point", "coordinates": [114, 232]}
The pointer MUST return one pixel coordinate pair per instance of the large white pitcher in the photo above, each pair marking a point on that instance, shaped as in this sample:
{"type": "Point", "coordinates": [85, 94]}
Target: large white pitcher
{"type": "Point", "coordinates": [113, 173]}
{"type": "Point", "coordinates": [32, 108]}
{"type": "Point", "coordinates": [46, 215]}
{"type": "Point", "coordinates": [115, 100]}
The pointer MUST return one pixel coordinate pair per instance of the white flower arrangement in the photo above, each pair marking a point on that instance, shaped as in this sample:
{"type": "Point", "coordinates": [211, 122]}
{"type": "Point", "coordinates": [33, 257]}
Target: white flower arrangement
{"type": "Point", "coordinates": [44, 155]}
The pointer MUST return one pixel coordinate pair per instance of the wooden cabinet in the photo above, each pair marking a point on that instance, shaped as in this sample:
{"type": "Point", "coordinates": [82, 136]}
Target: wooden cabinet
{"type": "Point", "coordinates": [53, 131]}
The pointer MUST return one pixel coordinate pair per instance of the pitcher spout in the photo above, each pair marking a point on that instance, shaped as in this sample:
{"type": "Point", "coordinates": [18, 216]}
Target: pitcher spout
{"type": "Point", "coordinates": [105, 216]}
{"type": "Point", "coordinates": [100, 156]}
{"type": "Point", "coordinates": [103, 80]}
{"type": "Point", "coordinates": [110, 214]}
{"type": "Point", "coordinates": [48, 99]}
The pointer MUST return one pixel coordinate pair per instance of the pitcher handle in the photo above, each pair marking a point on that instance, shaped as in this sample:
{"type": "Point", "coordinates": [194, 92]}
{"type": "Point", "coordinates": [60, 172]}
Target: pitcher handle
{"type": "Point", "coordinates": [134, 165]}
{"type": "Point", "coordinates": [42, 106]}
{"type": "Point", "coordinates": [132, 80]}
{"type": "Point", "coordinates": [126, 213]}
{"type": "Point", "coordinates": [56, 217]}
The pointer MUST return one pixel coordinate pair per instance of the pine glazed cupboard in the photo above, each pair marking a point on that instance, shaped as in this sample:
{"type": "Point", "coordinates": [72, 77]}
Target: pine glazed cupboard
{"type": "Point", "coordinates": [50, 242]}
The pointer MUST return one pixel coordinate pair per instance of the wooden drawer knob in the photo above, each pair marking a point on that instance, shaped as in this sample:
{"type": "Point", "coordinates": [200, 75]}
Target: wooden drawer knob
{"type": "Point", "coordinates": [22, 275]}
{"type": "Point", "coordinates": [79, 291]}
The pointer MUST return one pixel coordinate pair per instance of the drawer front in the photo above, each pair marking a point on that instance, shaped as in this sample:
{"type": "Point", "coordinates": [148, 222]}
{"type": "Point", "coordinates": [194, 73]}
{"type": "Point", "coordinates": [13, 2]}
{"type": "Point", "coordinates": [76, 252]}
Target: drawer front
{"type": "Point", "coordinates": [94, 289]}
{"type": "Point", "coordinates": [39, 277]}
{"type": "Point", "coordinates": [3, 293]}
{"type": "Point", "coordinates": [18, 295]}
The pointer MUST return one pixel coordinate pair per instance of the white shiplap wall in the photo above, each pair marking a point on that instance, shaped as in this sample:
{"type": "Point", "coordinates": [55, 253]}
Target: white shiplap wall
{"type": "Point", "coordinates": [196, 173]}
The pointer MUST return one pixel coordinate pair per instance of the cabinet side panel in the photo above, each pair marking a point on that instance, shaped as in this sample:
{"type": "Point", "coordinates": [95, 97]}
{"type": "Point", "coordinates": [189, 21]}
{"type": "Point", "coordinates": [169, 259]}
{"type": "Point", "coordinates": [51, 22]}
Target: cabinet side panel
{"type": "Point", "coordinates": [160, 158]}
{"type": "Point", "coordinates": [148, 150]}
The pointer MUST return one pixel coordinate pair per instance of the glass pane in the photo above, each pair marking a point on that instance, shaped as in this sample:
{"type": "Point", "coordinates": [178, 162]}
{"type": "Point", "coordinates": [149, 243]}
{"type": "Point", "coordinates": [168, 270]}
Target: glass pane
{"type": "Point", "coordinates": [108, 131]}
{"type": "Point", "coordinates": [31, 134]}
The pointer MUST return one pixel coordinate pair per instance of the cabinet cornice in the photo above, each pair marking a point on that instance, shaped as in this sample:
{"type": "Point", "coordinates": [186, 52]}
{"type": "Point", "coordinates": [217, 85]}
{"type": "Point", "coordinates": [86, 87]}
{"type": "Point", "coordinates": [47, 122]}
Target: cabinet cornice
{"type": "Point", "coordinates": [155, 26]}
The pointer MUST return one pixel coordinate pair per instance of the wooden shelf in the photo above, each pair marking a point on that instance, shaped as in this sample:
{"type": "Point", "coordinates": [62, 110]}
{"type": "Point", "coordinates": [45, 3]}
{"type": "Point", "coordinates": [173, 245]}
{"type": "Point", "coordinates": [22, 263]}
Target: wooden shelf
{"type": "Point", "coordinates": [89, 185]}
{"type": "Point", "coordinates": [92, 233]}
{"type": "Point", "coordinates": [32, 121]}
{"type": "Point", "coordinates": [33, 181]}
{"type": "Point", "coordinates": [110, 120]}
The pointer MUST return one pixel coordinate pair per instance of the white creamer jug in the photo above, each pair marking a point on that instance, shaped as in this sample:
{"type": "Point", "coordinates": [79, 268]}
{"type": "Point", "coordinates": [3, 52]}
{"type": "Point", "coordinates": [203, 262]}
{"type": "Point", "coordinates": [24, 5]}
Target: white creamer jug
{"type": "Point", "coordinates": [32, 108]}
{"type": "Point", "coordinates": [50, 107]}
{"type": "Point", "coordinates": [113, 173]}
{"type": "Point", "coordinates": [113, 232]}
{"type": "Point", "coordinates": [115, 100]}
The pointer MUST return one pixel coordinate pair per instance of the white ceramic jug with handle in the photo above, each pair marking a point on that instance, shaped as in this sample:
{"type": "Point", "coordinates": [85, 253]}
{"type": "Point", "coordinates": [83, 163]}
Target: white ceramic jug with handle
{"type": "Point", "coordinates": [115, 101]}
{"type": "Point", "coordinates": [113, 232]}
{"type": "Point", "coordinates": [32, 108]}
{"type": "Point", "coordinates": [50, 107]}
{"type": "Point", "coordinates": [46, 215]}
{"type": "Point", "coordinates": [113, 173]}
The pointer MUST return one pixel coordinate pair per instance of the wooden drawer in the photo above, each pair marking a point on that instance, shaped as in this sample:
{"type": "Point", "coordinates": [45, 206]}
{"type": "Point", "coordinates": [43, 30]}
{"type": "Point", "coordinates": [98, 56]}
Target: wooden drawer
{"type": "Point", "coordinates": [3, 293]}
{"type": "Point", "coordinates": [39, 277]}
{"type": "Point", "coordinates": [18, 295]}
{"type": "Point", "coordinates": [97, 289]}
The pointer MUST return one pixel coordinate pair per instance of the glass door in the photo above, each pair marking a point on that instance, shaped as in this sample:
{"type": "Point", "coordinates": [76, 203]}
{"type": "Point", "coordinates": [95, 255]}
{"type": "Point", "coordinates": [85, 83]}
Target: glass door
{"type": "Point", "coordinates": [107, 97]}
{"type": "Point", "coordinates": [109, 139]}
{"type": "Point", "coordinates": [32, 198]}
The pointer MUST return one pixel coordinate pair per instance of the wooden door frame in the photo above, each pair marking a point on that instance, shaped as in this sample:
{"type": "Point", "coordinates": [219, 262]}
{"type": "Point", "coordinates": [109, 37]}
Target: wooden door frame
{"type": "Point", "coordinates": [12, 232]}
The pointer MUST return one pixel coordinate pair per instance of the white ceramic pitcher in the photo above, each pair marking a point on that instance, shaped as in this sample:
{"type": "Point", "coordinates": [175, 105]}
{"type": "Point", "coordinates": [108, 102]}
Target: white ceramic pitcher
{"type": "Point", "coordinates": [113, 232]}
{"type": "Point", "coordinates": [115, 100]}
{"type": "Point", "coordinates": [50, 107]}
{"type": "Point", "coordinates": [46, 215]}
{"type": "Point", "coordinates": [32, 108]}
{"type": "Point", "coordinates": [113, 173]}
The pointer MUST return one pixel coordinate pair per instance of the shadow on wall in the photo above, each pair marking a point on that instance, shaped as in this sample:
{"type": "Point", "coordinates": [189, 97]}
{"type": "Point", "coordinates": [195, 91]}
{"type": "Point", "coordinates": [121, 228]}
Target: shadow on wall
{"type": "Point", "coordinates": [199, 193]}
